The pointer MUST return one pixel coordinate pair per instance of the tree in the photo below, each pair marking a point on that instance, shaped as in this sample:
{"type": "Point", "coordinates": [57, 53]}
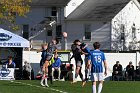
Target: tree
{"type": "Point", "coordinates": [9, 9]}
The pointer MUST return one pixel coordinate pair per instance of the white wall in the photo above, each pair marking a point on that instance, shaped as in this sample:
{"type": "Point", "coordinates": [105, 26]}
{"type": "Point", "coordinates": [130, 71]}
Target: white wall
{"type": "Point", "coordinates": [124, 58]}
{"type": "Point", "coordinates": [128, 16]}
{"type": "Point", "coordinates": [100, 31]}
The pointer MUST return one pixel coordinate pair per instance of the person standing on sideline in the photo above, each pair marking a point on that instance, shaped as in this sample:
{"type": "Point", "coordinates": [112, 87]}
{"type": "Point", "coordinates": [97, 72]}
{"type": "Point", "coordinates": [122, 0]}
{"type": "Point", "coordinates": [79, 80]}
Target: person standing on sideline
{"type": "Point", "coordinates": [97, 59]}
{"type": "Point", "coordinates": [27, 70]}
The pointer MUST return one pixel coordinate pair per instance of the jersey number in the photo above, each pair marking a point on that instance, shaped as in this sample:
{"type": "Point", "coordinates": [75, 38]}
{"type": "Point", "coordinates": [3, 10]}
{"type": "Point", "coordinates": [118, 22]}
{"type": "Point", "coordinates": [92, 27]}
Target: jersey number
{"type": "Point", "coordinates": [98, 59]}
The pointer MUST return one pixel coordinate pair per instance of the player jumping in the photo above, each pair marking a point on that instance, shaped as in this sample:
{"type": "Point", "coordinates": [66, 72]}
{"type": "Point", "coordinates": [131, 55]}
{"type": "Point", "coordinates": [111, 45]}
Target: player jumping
{"type": "Point", "coordinates": [97, 58]}
{"type": "Point", "coordinates": [78, 60]}
{"type": "Point", "coordinates": [86, 51]}
{"type": "Point", "coordinates": [47, 56]}
{"type": "Point", "coordinates": [44, 65]}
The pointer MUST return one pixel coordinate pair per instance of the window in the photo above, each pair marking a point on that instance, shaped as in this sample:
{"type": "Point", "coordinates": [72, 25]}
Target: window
{"type": "Point", "coordinates": [122, 32]}
{"type": "Point", "coordinates": [49, 32]}
{"type": "Point", "coordinates": [133, 31]}
{"type": "Point", "coordinates": [54, 11]}
{"type": "Point", "coordinates": [26, 31]}
{"type": "Point", "coordinates": [87, 32]}
{"type": "Point", "coordinates": [58, 31]}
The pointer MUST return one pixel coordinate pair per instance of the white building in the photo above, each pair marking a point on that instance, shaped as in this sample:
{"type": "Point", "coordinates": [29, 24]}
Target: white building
{"type": "Point", "coordinates": [106, 21]}
{"type": "Point", "coordinates": [114, 23]}
{"type": "Point", "coordinates": [44, 21]}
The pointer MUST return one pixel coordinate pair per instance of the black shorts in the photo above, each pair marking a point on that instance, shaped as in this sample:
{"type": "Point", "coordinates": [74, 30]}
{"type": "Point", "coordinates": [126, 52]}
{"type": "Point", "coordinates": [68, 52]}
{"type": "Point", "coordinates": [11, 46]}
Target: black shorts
{"type": "Point", "coordinates": [78, 64]}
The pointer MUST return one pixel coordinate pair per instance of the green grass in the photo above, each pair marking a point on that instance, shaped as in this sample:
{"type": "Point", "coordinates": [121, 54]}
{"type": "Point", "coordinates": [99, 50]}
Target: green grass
{"type": "Point", "coordinates": [109, 87]}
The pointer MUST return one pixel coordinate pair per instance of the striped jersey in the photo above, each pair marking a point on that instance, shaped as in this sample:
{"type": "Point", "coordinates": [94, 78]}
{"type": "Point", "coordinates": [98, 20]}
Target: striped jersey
{"type": "Point", "coordinates": [97, 58]}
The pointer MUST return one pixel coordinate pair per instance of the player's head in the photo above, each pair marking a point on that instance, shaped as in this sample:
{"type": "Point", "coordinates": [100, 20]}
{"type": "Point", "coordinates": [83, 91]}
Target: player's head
{"type": "Point", "coordinates": [10, 58]}
{"type": "Point", "coordinates": [83, 45]}
{"type": "Point", "coordinates": [77, 42]}
{"type": "Point", "coordinates": [44, 46]}
{"type": "Point", "coordinates": [55, 41]}
{"type": "Point", "coordinates": [130, 63]}
{"type": "Point", "coordinates": [117, 62]}
{"type": "Point", "coordinates": [96, 45]}
{"type": "Point", "coordinates": [56, 56]}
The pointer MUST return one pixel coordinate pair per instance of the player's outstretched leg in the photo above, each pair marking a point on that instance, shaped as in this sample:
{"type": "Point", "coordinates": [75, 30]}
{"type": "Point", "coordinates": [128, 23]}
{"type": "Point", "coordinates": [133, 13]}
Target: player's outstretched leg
{"type": "Point", "coordinates": [87, 73]}
{"type": "Point", "coordinates": [42, 81]}
{"type": "Point", "coordinates": [94, 87]}
{"type": "Point", "coordinates": [45, 74]}
{"type": "Point", "coordinates": [46, 81]}
{"type": "Point", "coordinates": [76, 75]}
{"type": "Point", "coordinates": [100, 86]}
{"type": "Point", "coordinates": [86, 79]}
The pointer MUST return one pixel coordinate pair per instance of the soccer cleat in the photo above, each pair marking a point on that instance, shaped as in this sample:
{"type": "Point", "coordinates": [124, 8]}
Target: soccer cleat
{"type": "Point", "coordinates": [42, 84]}
{"type": "Point", "coordinates": [83, 83]}
{"type": "Point", "coordinates": [46, 85]}
{"type": "Point", "coordinates": [73, 82]}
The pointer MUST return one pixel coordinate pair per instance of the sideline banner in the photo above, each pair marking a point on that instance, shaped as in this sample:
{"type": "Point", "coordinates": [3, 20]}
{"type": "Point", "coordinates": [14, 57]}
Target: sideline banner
{"type": "Point", "coordinates": [7, 74]}
{"type": "Point", "coordinates": [9, 39]}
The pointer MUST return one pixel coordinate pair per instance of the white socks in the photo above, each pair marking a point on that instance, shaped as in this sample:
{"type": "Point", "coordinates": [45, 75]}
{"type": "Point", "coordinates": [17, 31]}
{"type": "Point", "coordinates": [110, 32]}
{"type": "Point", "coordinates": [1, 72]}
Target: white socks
{"type": "Point", "coordinates": [93, 88]}
{"type": "Point", "coordinates": [46, 81]}
{"type": "Point", "coordinates": [42, 80]}
{"type": "Point", "coordinates": [100, 87]}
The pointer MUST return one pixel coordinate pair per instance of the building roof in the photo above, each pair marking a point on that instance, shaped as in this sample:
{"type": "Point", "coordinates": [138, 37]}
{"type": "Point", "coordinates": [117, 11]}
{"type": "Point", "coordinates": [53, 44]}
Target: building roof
{"type": "Point", "coordinates": [98, 9]}
{"type": "Point", "coordinates": [50, 2]}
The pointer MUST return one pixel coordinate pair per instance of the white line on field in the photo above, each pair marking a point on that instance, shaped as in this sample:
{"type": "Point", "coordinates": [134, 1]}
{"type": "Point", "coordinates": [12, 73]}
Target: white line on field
{"type": "Point", "coordinates": [39, 86]}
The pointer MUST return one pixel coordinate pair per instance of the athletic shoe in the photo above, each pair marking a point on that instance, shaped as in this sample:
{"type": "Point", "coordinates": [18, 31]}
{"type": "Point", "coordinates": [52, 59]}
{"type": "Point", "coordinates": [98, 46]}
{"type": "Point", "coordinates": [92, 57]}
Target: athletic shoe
{"type": "Point", "coordinates": [73, 82]}
{"type": "Point", "coordinates": [83, 83]}
{"type": "Point", "coordinates": [42, 84]}
{"type": "Point", "coordinates": [46, 85]}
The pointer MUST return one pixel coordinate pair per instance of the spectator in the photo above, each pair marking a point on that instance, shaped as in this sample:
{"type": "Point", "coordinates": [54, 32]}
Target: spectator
{"type": "Point", "coordinates": [27, 70]}
{"type": "Point", "coordinates": [117, 71]}
{"type": "Point", "coordinates": [56, 66]}
{"type": "Point", "coordinates": [130, 71]}
{"type": "Point", "coordinates": [138, 72]}
{"type": "Point", "coordinates": [10, 63]}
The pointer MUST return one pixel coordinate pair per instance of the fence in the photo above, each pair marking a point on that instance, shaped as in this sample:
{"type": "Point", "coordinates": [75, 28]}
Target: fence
{"type": "Point", "coordinates": [34, 58]}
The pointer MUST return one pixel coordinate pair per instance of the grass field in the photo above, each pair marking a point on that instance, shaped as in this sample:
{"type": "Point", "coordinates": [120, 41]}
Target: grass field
{"type": "Point", "coordinates": [66, 87]}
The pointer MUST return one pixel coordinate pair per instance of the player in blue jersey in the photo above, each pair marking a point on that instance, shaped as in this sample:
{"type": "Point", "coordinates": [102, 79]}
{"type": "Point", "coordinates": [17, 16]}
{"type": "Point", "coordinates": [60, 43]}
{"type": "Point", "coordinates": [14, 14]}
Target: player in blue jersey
{"type": "Point", "coordinates": [98, 70]}
{"type": "Point", "coordinates": [44, 65]}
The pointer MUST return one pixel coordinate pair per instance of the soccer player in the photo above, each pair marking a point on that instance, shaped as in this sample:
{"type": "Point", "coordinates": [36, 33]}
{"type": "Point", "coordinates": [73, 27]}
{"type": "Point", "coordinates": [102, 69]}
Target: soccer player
{"type": "Point", "coordinates": [78, 60]}
{"type": "Point", "coordinates": [86, 51]}
{"type": "Point", "coordinates": [47, 56]}
{"type": "Point", "coordinates": [97, 74]}
{"type": "Point", "coordinates": [44, 65]}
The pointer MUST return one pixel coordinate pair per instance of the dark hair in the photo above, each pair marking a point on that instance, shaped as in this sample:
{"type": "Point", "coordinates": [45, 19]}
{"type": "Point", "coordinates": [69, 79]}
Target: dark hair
{"type": "Point", "coordinates": [75, 41]}
{"type": "Point", "coordinates": [96, 45]}
{"type": "Point", "coordinates": [56, 40]}
{"type": "Point", "coordinates": [10, 57]}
